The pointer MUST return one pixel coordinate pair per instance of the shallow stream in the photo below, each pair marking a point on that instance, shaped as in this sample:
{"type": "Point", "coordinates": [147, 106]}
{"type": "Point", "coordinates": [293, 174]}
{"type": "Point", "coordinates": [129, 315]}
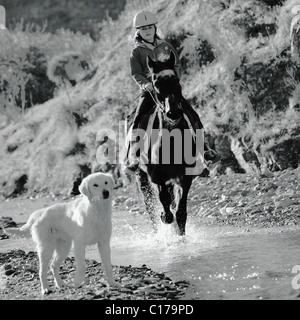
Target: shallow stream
{"type": "Point", "coordinates": [219, 262]}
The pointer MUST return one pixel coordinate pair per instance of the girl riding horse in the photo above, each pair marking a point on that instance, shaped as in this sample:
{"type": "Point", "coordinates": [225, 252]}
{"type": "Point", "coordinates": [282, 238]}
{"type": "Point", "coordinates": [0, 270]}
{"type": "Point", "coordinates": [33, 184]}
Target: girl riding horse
{"type": "Point", "coordinates": [148, 43]}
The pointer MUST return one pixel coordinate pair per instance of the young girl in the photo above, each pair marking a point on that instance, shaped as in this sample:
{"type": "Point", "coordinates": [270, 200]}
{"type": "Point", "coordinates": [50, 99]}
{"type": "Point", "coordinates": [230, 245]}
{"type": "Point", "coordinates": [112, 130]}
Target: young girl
{"type": "Point", "coordinates": [147, 42]}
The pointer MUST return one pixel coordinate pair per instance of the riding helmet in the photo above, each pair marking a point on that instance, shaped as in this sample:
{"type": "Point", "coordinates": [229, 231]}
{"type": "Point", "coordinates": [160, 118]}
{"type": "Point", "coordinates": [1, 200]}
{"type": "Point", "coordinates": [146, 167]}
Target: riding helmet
{"type": "Point", "coordinates": [144, 18]}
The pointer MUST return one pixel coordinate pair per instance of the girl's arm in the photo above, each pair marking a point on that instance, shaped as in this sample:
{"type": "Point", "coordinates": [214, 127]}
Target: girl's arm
{"type": "Point", "coordinates": [137, 70]}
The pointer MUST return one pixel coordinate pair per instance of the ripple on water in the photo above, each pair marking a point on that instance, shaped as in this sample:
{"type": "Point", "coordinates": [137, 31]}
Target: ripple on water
{"type": "Point", "coordinates": [219, 262]}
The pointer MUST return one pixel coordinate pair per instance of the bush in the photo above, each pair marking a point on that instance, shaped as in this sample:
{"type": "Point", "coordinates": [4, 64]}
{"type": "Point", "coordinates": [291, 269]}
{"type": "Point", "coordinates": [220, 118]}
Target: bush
{"type": "Point", "coordinates": [24, 57]}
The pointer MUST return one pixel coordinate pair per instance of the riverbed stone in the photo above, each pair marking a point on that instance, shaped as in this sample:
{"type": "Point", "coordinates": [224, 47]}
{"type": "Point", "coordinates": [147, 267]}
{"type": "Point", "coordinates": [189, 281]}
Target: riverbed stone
{"type": "Point", "coordinates": [22, 284]}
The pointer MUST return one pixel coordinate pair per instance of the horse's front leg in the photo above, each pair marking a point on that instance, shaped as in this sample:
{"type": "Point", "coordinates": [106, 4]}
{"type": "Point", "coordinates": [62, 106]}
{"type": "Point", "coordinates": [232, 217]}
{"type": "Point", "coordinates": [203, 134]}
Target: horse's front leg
{"type": "Point", "coordinates": [166, 197]}
{"type": "Point", "coordinates": [181, 212]}
{"type": "Point", "coordinates": [149, 197]}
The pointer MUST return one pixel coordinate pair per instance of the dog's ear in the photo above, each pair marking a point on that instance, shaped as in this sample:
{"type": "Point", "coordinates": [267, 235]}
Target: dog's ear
{"type": "Point", "coordinates": [84, 189]}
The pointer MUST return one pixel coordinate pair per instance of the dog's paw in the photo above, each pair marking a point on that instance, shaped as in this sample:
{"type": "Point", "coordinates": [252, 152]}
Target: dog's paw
{"type": "Point", "coordinates": [60, 284]}
{"type": "Point", "coordinates": [114, 284]}
{"type": "Point", "coordinates": [46, 291]}
{"type": "Point", "coordinates": [78, 284]}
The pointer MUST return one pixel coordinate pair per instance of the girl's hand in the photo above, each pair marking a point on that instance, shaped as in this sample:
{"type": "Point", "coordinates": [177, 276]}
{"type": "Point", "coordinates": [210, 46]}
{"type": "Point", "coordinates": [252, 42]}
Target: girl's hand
{"type": "Point", "coordinates": [148, 86]}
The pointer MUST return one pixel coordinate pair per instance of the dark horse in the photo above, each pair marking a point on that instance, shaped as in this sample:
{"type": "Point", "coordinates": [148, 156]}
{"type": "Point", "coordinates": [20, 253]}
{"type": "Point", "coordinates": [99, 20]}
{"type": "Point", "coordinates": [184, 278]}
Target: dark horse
{"type": "Point", "coordinates": [171, 139]}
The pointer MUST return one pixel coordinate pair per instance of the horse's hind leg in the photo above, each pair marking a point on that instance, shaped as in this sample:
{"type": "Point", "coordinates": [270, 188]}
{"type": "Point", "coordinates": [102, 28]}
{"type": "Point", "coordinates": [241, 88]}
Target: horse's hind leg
{"type": "Point", "coordinates": [149, 196]}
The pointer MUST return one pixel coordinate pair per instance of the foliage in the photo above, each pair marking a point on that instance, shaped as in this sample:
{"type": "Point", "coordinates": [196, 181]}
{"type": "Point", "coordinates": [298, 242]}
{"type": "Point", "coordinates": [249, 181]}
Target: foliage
{"type": "Point", "coordinates": [76, 15]}
{"type": "Point", "coordinates": [238, 74]}
{"type": "Point", "coordinates": [25, 54]}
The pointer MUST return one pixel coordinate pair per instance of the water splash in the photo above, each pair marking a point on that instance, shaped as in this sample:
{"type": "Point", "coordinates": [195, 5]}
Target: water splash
{"type": "Point", "coordinates": [219, 262]}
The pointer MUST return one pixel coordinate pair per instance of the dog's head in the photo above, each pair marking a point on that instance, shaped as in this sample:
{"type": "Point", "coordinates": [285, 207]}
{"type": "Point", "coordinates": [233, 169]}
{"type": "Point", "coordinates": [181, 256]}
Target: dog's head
{"type": "Point", "coordinates": [97, 186]}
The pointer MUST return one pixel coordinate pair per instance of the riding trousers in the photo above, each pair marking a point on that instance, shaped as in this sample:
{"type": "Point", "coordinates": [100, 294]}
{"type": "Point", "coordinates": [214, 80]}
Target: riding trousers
{"type": "Point", "coordinates": [146, 103]}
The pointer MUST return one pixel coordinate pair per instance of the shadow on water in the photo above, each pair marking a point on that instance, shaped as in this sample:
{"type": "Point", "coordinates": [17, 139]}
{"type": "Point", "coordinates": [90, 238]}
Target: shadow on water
{"type": "Point", "coordinates": [219, 262]}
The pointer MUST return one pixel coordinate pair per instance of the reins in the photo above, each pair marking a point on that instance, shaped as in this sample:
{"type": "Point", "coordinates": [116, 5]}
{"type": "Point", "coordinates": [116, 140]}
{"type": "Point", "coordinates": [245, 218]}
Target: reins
{"type": "Point", "coordinates": [157, 102]}
{"type": "Point", "coordinates": [132, 102]}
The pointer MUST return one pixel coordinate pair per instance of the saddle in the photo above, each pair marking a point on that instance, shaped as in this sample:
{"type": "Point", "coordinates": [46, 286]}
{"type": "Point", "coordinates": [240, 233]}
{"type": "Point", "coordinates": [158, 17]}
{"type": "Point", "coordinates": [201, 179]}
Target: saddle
{"type": "Point", "coordinates": [187, 109]}
{"type": "Point", "coordinates": [143, 124]}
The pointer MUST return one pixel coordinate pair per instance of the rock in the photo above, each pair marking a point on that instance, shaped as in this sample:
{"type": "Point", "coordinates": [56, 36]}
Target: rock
{"type": "Point", "coordinates": [9, 272]}
{"type": "Point", "coordinates": [229, 210]}
{"type": "Point", "coordinates": [245, 193]}
{"type": "Point", "coordinates": [126, 278]}
{"type": "Point", "coordinates": [286, 203]}
{"type": "Point", "coordinates": [151, 279]}
{"type": "Point", "coordinates": [130, 286]}
{"type": "Point", "coordinates": [7, 267]}
{"type": "Point", "coordinates": [101, 293]}
{"type": "Point", "coordinates": [126, 290]}
{"type": "Point", "coordinates": [7, 222]}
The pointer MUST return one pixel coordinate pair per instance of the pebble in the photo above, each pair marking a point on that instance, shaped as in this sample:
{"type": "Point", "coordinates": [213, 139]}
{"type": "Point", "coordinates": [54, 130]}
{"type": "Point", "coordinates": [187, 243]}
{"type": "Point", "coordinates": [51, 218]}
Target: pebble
{"type": "Point", "coordinates": [7, 266]}
{"type": "Point", "coordinates": [126, 278]}
{"type": "Point", "coordinates": [248, 200]}
{"type": "Point", "coordinates": [140, 282]}
{"type": "Point", "coordinates": [286, 203]}
{"type": "Point", "coordinates": [101, 292]}
{"type": "Point", "coordinates": [126, 290]}
{"type": "Point", "coordinates": [9, 272]}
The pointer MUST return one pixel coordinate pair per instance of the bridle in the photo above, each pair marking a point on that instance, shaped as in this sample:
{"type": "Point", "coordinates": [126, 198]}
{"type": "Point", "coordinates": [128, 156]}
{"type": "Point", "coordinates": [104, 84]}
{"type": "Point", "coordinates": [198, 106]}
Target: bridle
{"type": "Point", "coordinates": [161, 105]}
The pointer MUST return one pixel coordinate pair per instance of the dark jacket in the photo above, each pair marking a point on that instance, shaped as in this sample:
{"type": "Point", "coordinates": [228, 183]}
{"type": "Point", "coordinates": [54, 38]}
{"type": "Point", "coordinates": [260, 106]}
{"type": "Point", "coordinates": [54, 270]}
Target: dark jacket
{"type": "Point", "coordinates": [138, 60]}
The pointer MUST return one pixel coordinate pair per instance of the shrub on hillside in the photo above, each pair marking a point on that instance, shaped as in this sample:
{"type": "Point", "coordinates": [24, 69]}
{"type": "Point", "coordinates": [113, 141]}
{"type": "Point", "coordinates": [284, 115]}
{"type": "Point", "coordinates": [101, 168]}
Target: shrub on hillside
{"type": "Point", "coordinates": [24, 81]}
{"type": "Point", "coordinates": [24, 56]}
{"type": "Point", "coordinates": [67, 67]}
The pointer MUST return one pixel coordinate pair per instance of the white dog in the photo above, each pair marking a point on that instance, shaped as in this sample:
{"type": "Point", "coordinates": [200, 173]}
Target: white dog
{"type": "Point", "coordinates": [85, 221]}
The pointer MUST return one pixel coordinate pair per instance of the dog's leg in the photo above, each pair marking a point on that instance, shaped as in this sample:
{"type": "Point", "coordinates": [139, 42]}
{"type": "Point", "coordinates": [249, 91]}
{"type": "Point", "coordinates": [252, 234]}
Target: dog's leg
{"type": "Point", "coordinates": [61, 252]}
{"type": "Point", "coordinates": [104, 251]}
{"type": "Point", "coordinates": [79, 252]}
{"type": "Point", "coordinates": [44, 254]}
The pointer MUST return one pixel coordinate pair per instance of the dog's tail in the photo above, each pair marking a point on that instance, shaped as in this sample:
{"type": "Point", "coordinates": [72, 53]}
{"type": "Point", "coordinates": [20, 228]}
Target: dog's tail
{"type": "Point", "coordinates": [24, 231]}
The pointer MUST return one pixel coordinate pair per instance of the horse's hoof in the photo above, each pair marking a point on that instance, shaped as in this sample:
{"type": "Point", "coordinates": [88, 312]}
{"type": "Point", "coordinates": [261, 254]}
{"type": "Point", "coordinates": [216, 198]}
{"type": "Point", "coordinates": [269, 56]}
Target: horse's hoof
{"type": "Point", "coordinates": [167, 218]}
{"type": "Point", "coordinates": [181, 232]}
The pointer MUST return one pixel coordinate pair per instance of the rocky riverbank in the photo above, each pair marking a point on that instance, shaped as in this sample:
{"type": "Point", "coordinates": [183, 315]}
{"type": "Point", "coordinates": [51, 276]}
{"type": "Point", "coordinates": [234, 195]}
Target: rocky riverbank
{"type": "Point", "coordinates": [240, 200]}
{"type": "Point", "coordinates": [19, 280]}
{"type": "Point", "coordinates": [244, 200]}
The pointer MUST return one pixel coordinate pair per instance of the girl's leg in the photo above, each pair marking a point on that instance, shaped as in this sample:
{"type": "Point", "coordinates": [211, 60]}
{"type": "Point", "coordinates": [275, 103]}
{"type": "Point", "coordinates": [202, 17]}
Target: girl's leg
{"type": "Point", "coordinates": [146, 103]}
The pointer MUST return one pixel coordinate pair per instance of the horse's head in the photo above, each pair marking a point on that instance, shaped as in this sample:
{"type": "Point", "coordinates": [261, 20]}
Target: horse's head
{"type": "Point", "coordinates": [166, 84]}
